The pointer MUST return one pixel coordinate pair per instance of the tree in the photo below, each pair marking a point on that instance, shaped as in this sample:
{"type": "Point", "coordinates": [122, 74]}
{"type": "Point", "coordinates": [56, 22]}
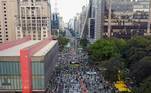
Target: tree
{"type": "Point", "coordinates": [145, 86]}
{"type": "Point", "coordinates": [62, 42]}
{"type": "Point", "coordinates": [137, 48]}
{"type": "Point", "coordinates": [121, 44]}
{"type": "Point", "coordinates": [138, 42]}
{"type": "Point", "coordinates": [113, 66]}
{"type": "Point", "coordinates": [134, 55]}
{"type": "Point", "coordinates": [84, 43]}
{"type": "Point", "coordinates": [141, 69]}
{"type": "Point", "coordinates": [103, 50]}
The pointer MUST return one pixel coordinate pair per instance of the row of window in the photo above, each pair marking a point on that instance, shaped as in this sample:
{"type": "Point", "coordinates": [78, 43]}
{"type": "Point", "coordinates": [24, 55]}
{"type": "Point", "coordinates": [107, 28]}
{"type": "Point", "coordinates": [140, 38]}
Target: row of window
{"type": "Point", "coordinates": [5, 21]}
{"type": "Point", "coordinates": [10, 82]}
{"type": "Point", "coordinates": [15, 83]}
{"type": "Point", "coordinates": [34, 36]}
{"type": "Point", "coordinates": [13, 68]}
{"type": "Point", "coordinates": [10, 75]}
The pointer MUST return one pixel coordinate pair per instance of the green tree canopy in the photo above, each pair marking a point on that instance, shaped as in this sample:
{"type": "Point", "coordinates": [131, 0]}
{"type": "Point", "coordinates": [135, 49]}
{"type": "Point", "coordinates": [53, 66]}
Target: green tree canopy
{"type": "Point", "coordinates": [106, 48]}
{"type": "Point", "coordinates": [145, 86]}
{"type": "Point", "coordinates": [62, 42]}
{"type": "Point", "coordinates": [141, 69]}
{"type": "Point", "coordinates": [84, 43]}
{"type": "Point", "coordinates": [139, 41]}
{"type": "Point", "coordinates": [113, 66]}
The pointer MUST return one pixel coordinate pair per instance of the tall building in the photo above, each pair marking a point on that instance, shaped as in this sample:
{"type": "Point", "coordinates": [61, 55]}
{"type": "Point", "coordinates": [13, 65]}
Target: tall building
{"type": "Point", "coordinates": [55, 21]}
{"type": "Point", "coordinates": [96, 20]}
{"type": "Point", "coordinates": [71, 24]}
{"type": "Point", "coordinates": [8, 12]}
{"type": "Point", "coordinates": [33, 19]}
{"type": "Point", "coordinates": [128, 18]}
{"type": "Point", "coordinates": [57, 24]}
{"type": "Point", "coordinates": [82, 19]}
{"type": "Point", "coordinates": [61, 24]}
{"type": "Point", "coordinates": [77, 24]}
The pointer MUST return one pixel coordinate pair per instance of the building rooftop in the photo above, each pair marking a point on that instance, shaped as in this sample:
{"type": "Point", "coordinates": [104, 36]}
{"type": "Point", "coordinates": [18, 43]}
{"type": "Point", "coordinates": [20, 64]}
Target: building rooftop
{"type": "Point", "coordinates": [45, 49]}
{"type": "Point", "coordinates": [15, 50]}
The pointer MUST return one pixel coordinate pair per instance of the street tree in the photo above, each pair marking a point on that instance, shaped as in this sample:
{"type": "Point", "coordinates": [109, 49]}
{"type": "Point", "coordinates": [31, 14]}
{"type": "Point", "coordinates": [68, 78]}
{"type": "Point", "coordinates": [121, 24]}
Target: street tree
{"type": "Point", "coordinates": [114, 68]}
{"type": "Point", "coordinates": [141, 70]}
{"type": "Point", "coordinates": [62, 42]}
{"type": "Point", "coordinates": [145, 86]}
{"type": "Point", "coordinates": [105, 49]}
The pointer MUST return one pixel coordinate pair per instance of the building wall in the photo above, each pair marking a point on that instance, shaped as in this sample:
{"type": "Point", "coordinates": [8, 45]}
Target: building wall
{"type": "Point", "coordinates": [50, 63]}
{"type": "Point", "coordinates": [97, 14]}
{"type": "Point", "coordinates": [10, 76]}
{"type": "Point", "coordinates": [10, 79]}
{"type": "Point", "coordinates": [8, 12]}
{"type": "Point", "coordinates": [141, 6]}
{"type": "Point", "coordinates": [99, 28]}
{"type": "Point", "coordinates": [33, 19]}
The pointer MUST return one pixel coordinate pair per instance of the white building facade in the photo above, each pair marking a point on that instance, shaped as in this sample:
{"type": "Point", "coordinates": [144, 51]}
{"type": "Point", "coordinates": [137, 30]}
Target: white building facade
{"type": "Point", "coordinates": [33, 19]}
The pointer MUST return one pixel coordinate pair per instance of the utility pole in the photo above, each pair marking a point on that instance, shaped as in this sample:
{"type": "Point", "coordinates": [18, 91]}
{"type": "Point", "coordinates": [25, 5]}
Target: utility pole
{"type": "Point", "coordinates": [149, 19]}
{"type": "Point", "coordinates": [109, 18]}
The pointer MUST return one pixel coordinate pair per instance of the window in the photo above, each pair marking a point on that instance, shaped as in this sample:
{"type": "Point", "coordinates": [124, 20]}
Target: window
{"type": "Point", "coordinates": [18, 28]}
{"type": "Point", "coordinates": [5, 18]}
{"type": "Point", "coordinates": [6, 32]}
{"type": "Point", "coordinates": [4, 7]}
{"type": "Point", "coordinates": [4, 14]}
{"type": "Point", "coordinates": [6, 38]}
{"type": "Point", "coordinates": [4, 4]}
{"type": "Point", "coordinates": [5, 25]}
{"type": "Point", "coordinates": [6, 35]}
{"type": "Point", "coordinates": [6, 29]}
{"type": "Point", "coordinates": [4, 11]}
{"type": "Point", "coordinates": [5, 22]}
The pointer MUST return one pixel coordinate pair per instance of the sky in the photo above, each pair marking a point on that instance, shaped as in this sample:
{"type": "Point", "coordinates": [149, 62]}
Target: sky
{"type": "Point", "coordinates": [68, 8]}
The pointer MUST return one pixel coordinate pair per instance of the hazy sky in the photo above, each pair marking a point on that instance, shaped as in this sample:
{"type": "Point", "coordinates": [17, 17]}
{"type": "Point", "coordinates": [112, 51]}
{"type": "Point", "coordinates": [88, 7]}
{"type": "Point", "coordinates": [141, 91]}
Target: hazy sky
{"type": "Point", "coordinates": [68, 8]}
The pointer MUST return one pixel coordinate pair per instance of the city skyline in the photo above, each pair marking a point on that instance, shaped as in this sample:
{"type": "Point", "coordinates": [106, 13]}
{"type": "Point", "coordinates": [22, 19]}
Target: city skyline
{"type": "Point", "coordinates": [65, 9]}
